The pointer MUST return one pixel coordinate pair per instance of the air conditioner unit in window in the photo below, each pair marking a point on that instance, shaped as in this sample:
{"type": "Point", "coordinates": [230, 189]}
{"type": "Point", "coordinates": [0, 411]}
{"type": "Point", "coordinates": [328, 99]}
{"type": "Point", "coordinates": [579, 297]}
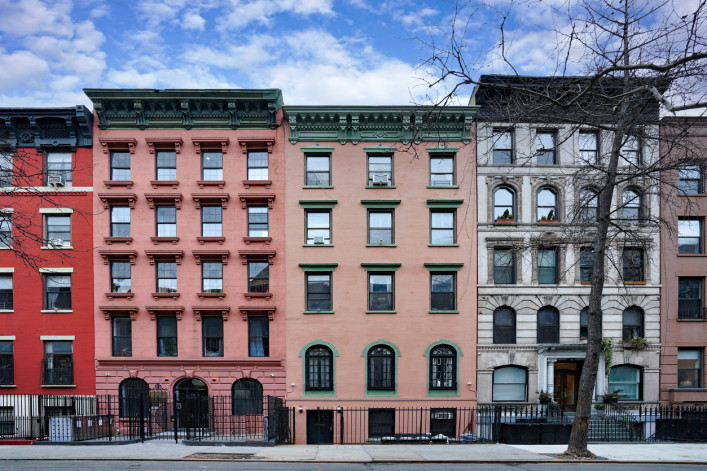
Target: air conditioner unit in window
{"type": "Point", "coordinates": [319, 239]}
{"type": "Point", "coordinates": [56, 242]}
{"type": "Point", "coordinates": [56, 180]}
{"type": "Point", "coordinates": [443, 415]}
{"type": "Point", "coordinates": [380, 179]}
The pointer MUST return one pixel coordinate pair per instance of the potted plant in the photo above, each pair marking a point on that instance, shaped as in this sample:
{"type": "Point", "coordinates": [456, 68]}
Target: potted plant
{"type": "Point", "coordinates": [507, 216]}
{"type": "Point", "coordinates": [636, 343]}
{"type": "Point", "coordinates": [544, 397]}
{"type": "Point", "coordinates": [612, 397]}
{"type": "Point", "coordinates": [600, 408]}
{"type": "Point", "coordinates": [550, 217]}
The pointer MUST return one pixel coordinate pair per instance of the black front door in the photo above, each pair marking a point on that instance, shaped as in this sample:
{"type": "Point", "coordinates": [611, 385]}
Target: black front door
{"type": "Point", "coordinates": [320, 427]}
{"type": "Point", "coordinates": [191, 400]}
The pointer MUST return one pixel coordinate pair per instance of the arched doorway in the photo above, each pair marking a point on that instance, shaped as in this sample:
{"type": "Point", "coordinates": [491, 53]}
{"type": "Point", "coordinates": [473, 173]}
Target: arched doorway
{"type": "Point", "coordinates": [191, 401]}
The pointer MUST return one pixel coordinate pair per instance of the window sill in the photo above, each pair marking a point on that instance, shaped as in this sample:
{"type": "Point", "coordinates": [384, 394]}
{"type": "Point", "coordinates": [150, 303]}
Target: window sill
{"type": "Point", "coordinates": [8, 385]}
{"type": "Point", "coordinates": [7, 311]}
{"type": "Point", "coordinates": [680, 319]}
{"type": "Point", "coordinates": [315, 187]}
{"type": "Point", "coordinates": [251, 240]}
{"type": "Point", "coordinates": [204, 183]}
{"type": "Point", "coordinates": [454, 311]}
{"type": "Point", "coordinates": [442, 393]}
{"type": "Point", "coordinates": [381, 312]}
{"type": "Point", "coordinates": [250, 296]}
{"type": "Point", "coordinates": [204, 240]}
{"type": "Point", "coordinates": [63, 247]}
{"type": "Point", "coordinates": [5, 248]}
{"type": "Point", "coordinates": [381, 393]}
{"type": "Point", "coordinates": [688, 195]}
{"type": "Point", "coordinates": [157, 183]}
{"type": "Point", "coordinates": [381, 245]}
{"type": "Point", "coordinates": [317, 245]}
{"type": "Point", "coordinates": [249, 183]}
{"type": "Point", "coordinates": [639, 283]}
{"type": "Point", "coordinates": [320, 393]}
{"type": "Point", "coordinates": [220, 296]}
{"type": "Point", "coordinates": [56, 311]}
{"type": "Point", "coordinates": [124, 183]}
{"type": "Point", "coordinates": [165, 295]}
{"type": "Point", "coordinates": [318, 312]}
{"type": "Point", "coordinates": [380, 187]}
{"type": "Point", "coordinates": [57, 385]}
{"type": "Point", "coordinates": [160, 240]}
{"type": "Point", "coordinates": [118, 240]}
{"type": "Point", "coordinates": [696, 255]}
{"type": "Point", "coordinates": [443, 245]}
{"type": "Point", "coordinates": [443, 187]}
{"type": "Point", "coordinates": [110, 296]}
{"type": "Point", "coordinates": [505, 222]}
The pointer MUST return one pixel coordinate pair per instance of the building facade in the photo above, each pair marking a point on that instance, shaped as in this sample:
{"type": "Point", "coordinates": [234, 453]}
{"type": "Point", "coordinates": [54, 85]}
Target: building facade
{"type": "Point", "coordinates": [46, 193]}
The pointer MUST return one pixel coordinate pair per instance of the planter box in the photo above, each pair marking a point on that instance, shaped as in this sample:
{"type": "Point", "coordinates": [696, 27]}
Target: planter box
{"type": "Point", "coordinates": [505, 220]}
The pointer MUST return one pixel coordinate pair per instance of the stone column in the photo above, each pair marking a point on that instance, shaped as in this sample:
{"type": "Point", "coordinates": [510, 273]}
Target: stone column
{"type": "Point", "coordinates": [551, 376]}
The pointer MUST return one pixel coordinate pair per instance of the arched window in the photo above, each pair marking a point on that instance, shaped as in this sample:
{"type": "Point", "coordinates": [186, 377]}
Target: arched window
{"type": "Point", "coordinates": [548, 325]}
{"type": "Point", "coordinates": [627, 380]}
{"type": "Point", "coordinates": [510, 384]}
{"type": "Point", "coordinates": [504, 201]}
{"type": "Point", "coordinates": [588, 205]}
{"type": "Point", "coordinates": [631, 205]}
{"type": "Point", "coordinates": [319, 369]}
{"type": "Point", "coordinates": [131, 391]}
{"type": "Point", "coordinates": [443, 367]}
{"type": "Point", "coordinates": [547, 205]}
{"type": "Point", "coordinates": [381, 368]}
{"type": "Point", "coordinates": [247, 397]}
{"type": "Point", "coordinates": [633, 323]}
{"type": "Point", "coordinates": [504, 325]}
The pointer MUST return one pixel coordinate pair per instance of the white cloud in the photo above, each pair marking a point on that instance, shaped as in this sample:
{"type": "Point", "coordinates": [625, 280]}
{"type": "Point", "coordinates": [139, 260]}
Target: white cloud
{"type": "Point", "coordinates": [28, 17]}
{"type": "Point", "coordinates": [192, 20]}
{"type": "Point", "coordinates": [240, 13]}
{"type": "Point", "coordinates": [22, 69]}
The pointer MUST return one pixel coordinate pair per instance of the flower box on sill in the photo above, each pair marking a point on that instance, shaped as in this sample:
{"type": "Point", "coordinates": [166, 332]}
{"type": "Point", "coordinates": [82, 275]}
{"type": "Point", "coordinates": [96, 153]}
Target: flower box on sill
{"type": "Point", "coordinates": [634, 282]}
{"type": "Point", "coordinates": [548, 220]}
{"type": "Point", "coordinates": [585, 282]}
{"type": "Point", "coordinates": [505, 220]}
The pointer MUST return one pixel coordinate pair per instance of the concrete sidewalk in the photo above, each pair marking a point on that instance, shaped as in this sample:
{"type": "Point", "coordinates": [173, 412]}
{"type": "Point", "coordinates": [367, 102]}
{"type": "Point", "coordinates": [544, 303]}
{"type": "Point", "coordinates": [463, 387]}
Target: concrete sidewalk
{"type": "Point", "coordinates": [166, 451]}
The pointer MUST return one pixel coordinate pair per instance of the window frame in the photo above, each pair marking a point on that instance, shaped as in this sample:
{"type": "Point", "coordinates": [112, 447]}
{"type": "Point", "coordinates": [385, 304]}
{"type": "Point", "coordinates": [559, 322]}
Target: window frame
{"type": "Point", "coordinates": [372, 293]}
{"type": "Point", "coordinates": [439, 372]}
{"type": "Point", "coordinates": [162, 172]}
{"type": "Point", "coordinates": [252, 231]}
{"type": "Point", "coordinates": [163, 349]}
{"type": "Point", "coordinates": [261, 339]}
{"type": "Point", "coordinates": [7, 296]}
{"type": "Point", "coordinates": [636, 160]}
{"type": "Point", "coordinates": [511, 267]}
{"type": "Point", "coordinates": [52, 305]}
{"type": "Point", "coordinates": [158, 278]}
{"type": "Point", "coordinates": [699, 182]}
{"type": "Point", "coordinates": [700, 221]}
{"type": "Point", "coordinates": [443, 156]}
{"type": "Point", "coordinates": [550, 332]}
{"type": "Point", "coordinates": [119, 287]}
{"type": "Point", "coordinates": [626, 268]}
{"type": "Point", "coordinates": [120, 224]}
{"type": "Point", "coordinates": [588, 206]}
{"type": "Point", "coordinates": [504, 332]}
{"type": "Point", "coordinates": [390, 173]}
{"type": "Point", "coordinates": [633, 330]}
{"type": "Point", "coordinates": [383, 362]}
{"type": "Point", "coordinates": [500, 209]}
{"type": "Point", "coordinates": [586, 152]}
{"type": "Point", "coordinates": [309, 293]}
{"type": "Point", "coordinates": [546, 268]}
{"type": "Point", "coordinates": [494, 382]}
{"type": "Point", "coordinates": [60, 169]}
{"type": "Point", "coordinates": [443, 229]}
{"type": "Point", "coordinates": [544, 150]}
{"type": "Point", "coordinates": [6, 169]}
{"type": "Point", "coordinates": [64, 358]}
{"type": "Point", "coordinates": [205, 340]}
{"type": "Point", "coordinates": [119, 169]}
{"type": "Point", "coordinates": [307, 171]}
{"type": "Point", "coordinates": [307, 228]}
{"type": "Point", "coordinates": [205, 264]}
{"type": "Point", "coordinates": [453, 293]}
{"type": "Point", "coordinates": [510, 150]}
{"type": "Point", "coordinates": [257, 282]}
{"type": "Point", "coordinates": [48, 231]}
{"type": "Point", "coordinates": [7, 362]}
{"type": "Point", "coordinates": [698, 309]}
{"type": "Point", "coordinates": [209, 222]}
{"type": "Point", "coordinates": [168, 226]}
{"type": "Point", "coordinates": [5, 230]}
{"type": "Point", "coordinates": [205, 157]}
{"type": "Point", "coordinates": [253, 169]}
{"type": "Point", "coordinates": [121, 338]}
{"type": "Point", "coordinates": [247, 400]}
{"type": "Point", "coordinates": [323, 378]}
{"type": "Point", "coordinates": [584, 325]}
{"type": "Point", "coordinates": [127, 395]}
{"type": "Point", "coordinates": [543, 211]}
{"type": "Point", "coordinates": [586, 270]}
{"type": "Point", "coordinates": [634, 203]}
{"type": "Point", "coordinates": [390, 229]}
{"type": "Point", "coordinates": [700, 360]}
{"type": "Point", "coordinates": [617, 385]}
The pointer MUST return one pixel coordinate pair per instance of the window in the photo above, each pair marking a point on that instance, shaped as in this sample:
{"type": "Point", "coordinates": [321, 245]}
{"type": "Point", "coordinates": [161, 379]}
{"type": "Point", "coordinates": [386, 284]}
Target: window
{"type": "Point", "coordinates": [442, 170]}
{"type": "Point", "coordinates": [584, 323]}
{"type": "Point", "coordinates": [131, 392]}
{"type": "Point", "coordinates": [211, 221]}
{"type": "Point", "coordinates": [630, 151]}
{"type": "Point", "coordinates": [588, 147]}
{"type": "Point", "coordinates": [120, 277]}
{"type": "Point", "coordinates": [627, 380]}
{"type": "Point", "coordinates": [442, 227]}
{"type": "Point", "coordinates": [167, 336]}
{"type": "Point", "coordinates": [380, 227]}
{"type": "Point", "coordinates": [166, 221]}
{"type": "Point", "coordinates": [317, 170]}
{"type": "Point", "coordinates": [120, 221]}
{"type": "Point", "coordinates": [690, 363]}
{"type": "Point", "coordinates": [119, 165]}
{"type": "Point", "coordinates": [633, 268]}
{"type": "Point", "coordinates": [59, 169]}
{"type": "Point", "coordinates": [504, 325]}
{"type": "Point", "coordinates": [548, 325]}
{"type": "Point", "coordinates": [586, 264]}
{"type": "Point", "coordinates": [690, 179]}
{"type": "Point", "coordinates": [545, 148]}
{"type": "Point", "coordinates": [212, 335]}
{"type": "Point", "coordinates": [258, 277]}
{"type": "Point", "coordinates": [211, 277]}
{"type": "Point", "coordinates": [58, 363]}
{"type": "Point", "coordinates": [547, 267]}
{"type": "Point", "coordinates": [5, 229]}
{"type": "Point", "coordinates": [6, 298]}
{"type": "Point", "coordinates": [691, 301]}
{"type": "Point", "coordinates": [504, 199]}
{"type": "Point", "coordinates": [319, 369]}
{"type": "Point", "coordinates": [257, 165]}
{"type": "Point", "coordinates": [166, 165]}
{"type": "Point", "coordinates": [380, 291]}
{"type": "Point", "coordinates": [7, 363]}
{"type": "Point", "coordinates": [381, 368]}
{"type": "Point", "coordinates": [166, 277]}
{"type": "Point", "coordinates": [257, 221]}
{"type": "Point", "coordinates": [547, 205]}
{"type": "Point", "coordinates": [211, 166]}
{"type": "Point", "coordinates": [503, 148]}
{"type": "Point", "coordinates": [247, 397]}
{"type": "Point", "coordinates": [690, 235]}
{"type": "Point", "coordinates": [258, 336]}
{"type": "Point", "coordinates": [57, 292]}
{"type": "Point", "coordinates": [380, 170]}
{"type": "Point", "coordinates": [510, 384]}
{"type": "Point", "coordinates": [443, 367]}
{"type": "Point", "coordinates": [588, 205]}
{"type": "Point", "coordinates": [57, 230]}
{"type": "Point", "coordinates": [443, 291]}
{"type": "Point", "coordinates": [318, 291]}
{"type": "Point", "coordinates": [122, 336]}
{"type": "Point", "coordinates": [381, 422]}
{"type": "Point", "coordinates": [6, 169]}
{"type": "Point", "coordinates": [504, 262]}
{"type": "Point", "coordinates": [632, 323]}
{"type": "Point", "coordinates": [318, 224]}
{"type": "Point", "coordinates": [631, 205]}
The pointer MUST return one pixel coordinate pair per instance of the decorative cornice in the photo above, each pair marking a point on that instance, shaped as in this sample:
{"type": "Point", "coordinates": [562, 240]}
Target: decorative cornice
{"type": "Point", "coordinates": [188, 109]}
{"type": "Point", "coordinates": [153, 311]}
{"type": "Point", "coordinates": [222, 255]}
{"type": "Point", "coordinates": [256, 198]}
{"type": "Point", "coordinates": [109, 311]}
{"type": "Point", "coordinates": [118, 143]}
{"type": "Point", "coordinates": [200, 311]}
{"type": "Point", "coordinates": [109, 255]}
{"type": "Point", "coordinates": [404, 124]}
{"type": "Point", "coordinates": [117, 198]}
{"type": "Point", "coordinates": [257, 310]}
{"type": "Point", "coordinates": [48, 127]}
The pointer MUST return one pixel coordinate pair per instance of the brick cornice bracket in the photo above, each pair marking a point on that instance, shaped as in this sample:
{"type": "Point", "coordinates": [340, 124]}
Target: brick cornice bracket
{"type": "Point", "coordinates": [258, 311]}
{"type": "Point", "coordinates": [210, 143]}
{"type": "Point", "coordinates": [200, 255]}
{"type": "Point", "coordinates": [117, 198]}
{"type": "Point", "coordinates": [157, 198]}
{"type": "Point", "coordinates": [154, 311]}
{"type": "Point", "coordinates": [109, 255]}
{"type": "Point", "coordinates": [200, 311]}
{"type": "Point", "coordinates": [164, 143]}
{"type": "Point", "coordinates": [257, 255]}
{"type": "Point", "coordinates": [256, 143]}
{"type": "Point", "coordinates": [153, 255]}
{"type": "Point", "coordinates": [206, 198]}
{"type": "Point", "coordinates": [109, 311]}
{"type": "Point", "coordinates": [256, 198]}
{"type": "Point", "coordinates": [118, 143]}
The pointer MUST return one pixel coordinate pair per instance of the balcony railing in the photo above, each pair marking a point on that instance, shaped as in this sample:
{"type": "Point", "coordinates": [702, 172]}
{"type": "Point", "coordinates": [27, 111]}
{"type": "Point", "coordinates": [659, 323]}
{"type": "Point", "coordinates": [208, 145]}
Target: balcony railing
{"type": "Point", "coordinates": [691, 311]}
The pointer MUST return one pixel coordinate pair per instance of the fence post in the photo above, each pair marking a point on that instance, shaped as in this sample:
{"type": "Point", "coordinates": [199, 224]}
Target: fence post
{"type": "Point", "coordinates": [142, 418]}
{"type": "Point", "coordinates": [496, 423]}
{"type": "Point", "coordinates": [175, 419]}
{"type": "Point", "coordinates": [110, 421]}
{"type": "Point", "coordinates": [341, 425]}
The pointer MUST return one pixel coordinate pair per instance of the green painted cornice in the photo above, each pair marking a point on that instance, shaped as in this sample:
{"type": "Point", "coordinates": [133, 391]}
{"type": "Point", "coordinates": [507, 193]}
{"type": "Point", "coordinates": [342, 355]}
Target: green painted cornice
{"type": "Point", "coordinates": [356, 124]}
{"type": "Point", "coordinates": [189, 109]}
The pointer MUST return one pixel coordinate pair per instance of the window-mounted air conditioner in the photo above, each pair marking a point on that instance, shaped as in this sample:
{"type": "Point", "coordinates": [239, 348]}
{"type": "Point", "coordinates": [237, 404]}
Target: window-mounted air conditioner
{"type": "Point", "coordinates": [380, 179]}
{"type": "Point", "coordinates": [443, 415]}
{"type": "Point", "coordinates": [319, 239]}
{"type": "Point", "coordinates": [56, 180]}
{"type": "Point", "coordinates": [56, 242]}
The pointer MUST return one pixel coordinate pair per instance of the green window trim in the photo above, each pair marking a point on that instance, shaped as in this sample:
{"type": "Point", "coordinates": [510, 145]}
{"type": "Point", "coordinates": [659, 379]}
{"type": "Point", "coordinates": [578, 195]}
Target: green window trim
{"type": "Point", "coordinates": [317, 148]}
{"type": "Point", "coordinates": [306, 267]}
{"type": "Point", "coordinates": [380, 204]}
{"type": "Point", "coordinates": [443, 266]}
{"type": "Point", "coordinates": [442, 150]}
{"type": "Point", "coordinates": [310, 187]}
{"type": "Point", "coordinates": [444, 204]}
{"type": "Point", "coordinates": [446, 187]}
{"type": "Point", "coordinates": [335, 354]}
{"type": "Point", "coordinates": [318, 204]}
{"type": "Point", "coordinates": [442, 393]}
{"type": "Point", "coordinates": [380, 267]}
{"type": "Point", "coordinates": [396, 352]}
{"type": "Point", "coordinates": [380, 148]}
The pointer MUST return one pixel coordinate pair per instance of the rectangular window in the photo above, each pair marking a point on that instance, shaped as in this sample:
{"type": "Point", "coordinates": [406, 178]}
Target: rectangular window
{"type": "Point", "coordinates": [122, 337]}
{"type": "Point", "coordinates": [120, 165]}
{"type": "Point", "coordinates": [442, 227]}
{"type": "Point", "coordinates": [588, 147]}
{"type": "Point", "coordinates": [545, 148]}
{"type": "Point", "coordinates": [317, 170]}
{"type": "Point", "coordinates": [318, 224]}
{"type": "Point", "coordinates": [633, 265]}
{"type": "Point", "coordinates": [120, 221]}
{"type": "Point", "coordinates": [258, 221]}
{"type": "Point", "coordinates": [58, 363]}
{"type": "Point", "coordinates": [166, 277]}
{"type": "Point", "coordinates": [380, 227]}
{"type": "Point", "coordinates": [257, 165]}
{"type": "Point", "coordinates": [5, 229]}
{"type": "Point", "coordinates": [691, 301]}
{"type": "Point", "coordinates": [691, 235]}
{"type": "Point", "coordinates": [120, 281]}
{"type": "Point", "coordinates": [443, 291]}
{"type": "Point", "coordinates": [547, 266]}
{"type": "Point", "coordinates": [57, 292]}
{"type": "Point", "coordinates": [258, 336]}
{"type": "Point", "coordinates": [211, 277]}
{"type": "Point", "coordinates": [258, 277]}
{"type": "Point", "coordinates": [211, 221]}
{"type": "Point", "coordinates": [586, 264]}
{"type": "Point", "coordinates": [690, 364]}
{"type": "Point", "coordinates": [166, 336]}
{"type": "Point", "coordinates": [59, 169]}
{"type": "Point", "coordinates": [166, 221]}
{"type": "Point", "coordinates": [211, 165]}
{"type": "Point", "coordinates": [380, 170]}
{"type": "Point", "coordinates": [57, 230]}
{"type": "Point", "coordinates": [166, 165]}
{"type": "Point", "coordinates": [503, 148]}
{"type": "Point", "coordinates": [442, 170]}
{"type": "Point", "coordinates": [7, 363]}
{"type": "Point", "coordinates": [691, 180]}
{"type": "Point", "coordinates": [630, 151]}
{"type": "Point", "coordinates": [504, 271]}
{"type": "Point", "coordinates": [584, 324]}
{"type": "Point", "coordinates": [380, 291]}
{"type": "Point", "coordinates": [6, 169]}
{"type": "Point", "coordinates": [212, 333]}
{"type": "Point", "coordinates": [381, 423]}
{"type": "Point", "coordinates": [318, 291]}
{"type": "Point", "coordinates": [6, 297]}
